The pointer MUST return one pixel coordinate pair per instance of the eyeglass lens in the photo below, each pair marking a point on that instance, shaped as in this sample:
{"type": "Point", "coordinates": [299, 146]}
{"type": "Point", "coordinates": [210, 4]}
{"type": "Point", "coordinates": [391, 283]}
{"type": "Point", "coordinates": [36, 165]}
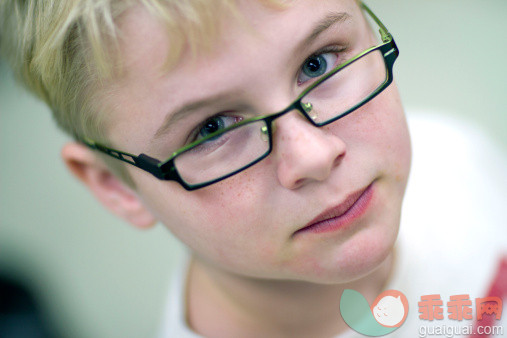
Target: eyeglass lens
{"type": "Point", "coordinates": [345, 89]}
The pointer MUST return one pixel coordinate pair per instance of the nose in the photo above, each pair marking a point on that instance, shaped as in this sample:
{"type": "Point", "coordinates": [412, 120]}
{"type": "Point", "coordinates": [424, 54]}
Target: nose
{"type": "Point", "coordinates": [305, 153]}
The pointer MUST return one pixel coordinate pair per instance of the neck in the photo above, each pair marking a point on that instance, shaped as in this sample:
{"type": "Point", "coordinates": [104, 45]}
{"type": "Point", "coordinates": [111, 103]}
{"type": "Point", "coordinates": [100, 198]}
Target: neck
{"type": "Point", "coordinates": [224, 304]}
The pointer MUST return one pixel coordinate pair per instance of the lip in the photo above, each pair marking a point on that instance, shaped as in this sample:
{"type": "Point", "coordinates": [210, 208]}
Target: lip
{"type": "Point", "coordinates": [341, 215]}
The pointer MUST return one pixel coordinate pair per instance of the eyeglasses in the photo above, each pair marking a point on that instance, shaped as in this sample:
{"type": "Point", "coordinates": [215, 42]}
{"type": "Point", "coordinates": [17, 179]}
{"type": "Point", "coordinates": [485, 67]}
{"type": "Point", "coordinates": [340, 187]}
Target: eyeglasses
{"type": "Point", "coordinates": [224, 150]}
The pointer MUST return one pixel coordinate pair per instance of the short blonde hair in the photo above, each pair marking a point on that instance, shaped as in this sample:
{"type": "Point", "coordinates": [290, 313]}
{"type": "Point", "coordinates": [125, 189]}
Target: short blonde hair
{"type": "Point", "coordinates": [63, 50]}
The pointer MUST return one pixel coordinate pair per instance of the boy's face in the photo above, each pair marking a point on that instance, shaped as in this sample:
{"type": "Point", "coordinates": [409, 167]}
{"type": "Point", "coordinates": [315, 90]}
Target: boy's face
{"type": "Point", "coordinates": [249, 223]}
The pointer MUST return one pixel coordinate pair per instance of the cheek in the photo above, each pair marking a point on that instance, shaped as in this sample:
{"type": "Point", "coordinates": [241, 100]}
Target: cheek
{"type": "Point", "coordinates": [379, 132]}
{"type": "Point", "coordinates": [211, 220]}
{"type": "Point", "coordinates": [228, 201]}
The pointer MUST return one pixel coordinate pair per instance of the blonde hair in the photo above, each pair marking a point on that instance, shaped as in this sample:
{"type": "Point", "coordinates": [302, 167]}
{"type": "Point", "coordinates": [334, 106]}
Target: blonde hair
{"type": "Point", "coordinates": [63, 50]}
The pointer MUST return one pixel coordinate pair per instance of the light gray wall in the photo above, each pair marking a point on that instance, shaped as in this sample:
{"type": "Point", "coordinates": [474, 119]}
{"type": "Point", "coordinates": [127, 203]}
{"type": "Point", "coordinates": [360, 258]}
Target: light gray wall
{"type": "Point", "coordinates": [101, 278]}
{"type": "Point", "coordinates": [452, 57]}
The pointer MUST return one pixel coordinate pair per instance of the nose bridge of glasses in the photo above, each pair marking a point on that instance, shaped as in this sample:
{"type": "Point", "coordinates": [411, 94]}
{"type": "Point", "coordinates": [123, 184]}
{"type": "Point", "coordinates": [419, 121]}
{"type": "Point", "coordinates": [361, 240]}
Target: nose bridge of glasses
{"type": "Point", "coordinates": [304, 109]}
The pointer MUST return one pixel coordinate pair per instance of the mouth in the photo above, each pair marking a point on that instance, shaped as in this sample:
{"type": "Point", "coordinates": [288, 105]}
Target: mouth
{"type": "Point", "coordinates": [341, 215]}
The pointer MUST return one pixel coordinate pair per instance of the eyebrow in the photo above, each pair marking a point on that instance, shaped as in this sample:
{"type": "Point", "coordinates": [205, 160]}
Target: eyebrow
{"type": "Point", "coordinates": [171, 118]}
{"type": "Point", "coordinates": [329, 20]}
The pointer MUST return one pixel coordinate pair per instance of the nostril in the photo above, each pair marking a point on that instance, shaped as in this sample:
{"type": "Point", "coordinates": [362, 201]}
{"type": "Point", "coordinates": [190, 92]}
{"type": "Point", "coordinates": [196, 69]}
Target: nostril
{"type": "Point", "coordinates": [299, 183]}
{"type": "Point", "coordinates": [338, 159]}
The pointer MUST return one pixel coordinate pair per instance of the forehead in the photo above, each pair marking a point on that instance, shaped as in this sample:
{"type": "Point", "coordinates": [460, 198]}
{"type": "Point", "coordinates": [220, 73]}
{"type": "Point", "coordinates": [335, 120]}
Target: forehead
{"type": "Point", "coordinates": [261, 43]}
{"type": "Point", "coordinates": [147, 43]}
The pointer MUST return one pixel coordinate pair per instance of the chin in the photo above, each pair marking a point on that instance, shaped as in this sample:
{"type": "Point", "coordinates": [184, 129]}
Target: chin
{"type": "Point", "coordinates": [356, 258]}
{"type": "Point", "coordinates": [365, 259]}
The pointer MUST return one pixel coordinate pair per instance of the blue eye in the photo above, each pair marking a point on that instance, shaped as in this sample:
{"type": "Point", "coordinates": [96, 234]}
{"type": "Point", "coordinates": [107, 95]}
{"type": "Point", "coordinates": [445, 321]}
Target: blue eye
{"type": "Point", "coordinates": [317, 65]}
{"type": "Point", "coordinates": [216, 123]}
{"type": "Point", "coordinates": [212, 125]}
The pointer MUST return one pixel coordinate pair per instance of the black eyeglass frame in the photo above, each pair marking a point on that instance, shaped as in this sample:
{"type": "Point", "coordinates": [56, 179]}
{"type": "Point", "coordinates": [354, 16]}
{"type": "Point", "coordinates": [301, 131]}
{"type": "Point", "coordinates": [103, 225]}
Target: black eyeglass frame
{"type": "Point", "coordinates": [166, 170]}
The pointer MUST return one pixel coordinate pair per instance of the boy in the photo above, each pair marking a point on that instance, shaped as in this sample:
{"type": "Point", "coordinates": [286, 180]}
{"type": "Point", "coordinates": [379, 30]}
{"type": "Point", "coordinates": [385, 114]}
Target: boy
{"type": "Point", "coordinates": [280, 215]}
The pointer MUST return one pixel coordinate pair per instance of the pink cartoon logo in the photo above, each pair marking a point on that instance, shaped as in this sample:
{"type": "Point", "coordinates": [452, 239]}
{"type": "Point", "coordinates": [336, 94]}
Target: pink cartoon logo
{"type": "Point", "coordinates": [390, 308]}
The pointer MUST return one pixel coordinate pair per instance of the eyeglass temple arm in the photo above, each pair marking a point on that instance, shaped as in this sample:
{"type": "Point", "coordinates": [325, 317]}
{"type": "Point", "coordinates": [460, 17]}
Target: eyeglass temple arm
{"type": "Point", "coordinates": [384, 33]}
{"type": "Point", "coordinates": [142, 161]}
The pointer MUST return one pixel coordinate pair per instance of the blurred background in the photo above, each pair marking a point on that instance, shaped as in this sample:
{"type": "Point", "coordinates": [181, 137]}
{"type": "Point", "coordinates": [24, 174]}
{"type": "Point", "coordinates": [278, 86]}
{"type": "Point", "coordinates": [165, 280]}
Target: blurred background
{"type": "Point", "coordinates": [95, 276]}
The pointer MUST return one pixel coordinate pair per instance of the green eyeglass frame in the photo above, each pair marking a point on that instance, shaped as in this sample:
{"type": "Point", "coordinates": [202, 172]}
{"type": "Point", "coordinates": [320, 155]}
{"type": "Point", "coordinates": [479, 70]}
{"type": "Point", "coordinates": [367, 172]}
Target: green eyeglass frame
{"type": "Point", "coordinates": [166, 170]}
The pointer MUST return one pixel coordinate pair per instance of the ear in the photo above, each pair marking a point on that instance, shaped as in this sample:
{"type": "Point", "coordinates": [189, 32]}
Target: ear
{"type": "Point", "coordinates": [107, 188]}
